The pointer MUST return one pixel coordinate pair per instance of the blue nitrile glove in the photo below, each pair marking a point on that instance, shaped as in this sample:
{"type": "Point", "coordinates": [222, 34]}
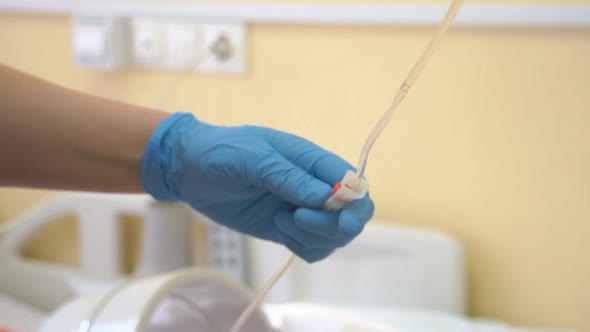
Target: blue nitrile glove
{"type": "Point", "coordinates": [258, 181]}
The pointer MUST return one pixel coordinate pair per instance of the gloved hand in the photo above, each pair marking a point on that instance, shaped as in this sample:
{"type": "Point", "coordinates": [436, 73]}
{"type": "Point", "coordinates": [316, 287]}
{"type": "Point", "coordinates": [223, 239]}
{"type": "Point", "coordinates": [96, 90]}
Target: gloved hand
{"type": "Point", "coordinates": [256, 180]}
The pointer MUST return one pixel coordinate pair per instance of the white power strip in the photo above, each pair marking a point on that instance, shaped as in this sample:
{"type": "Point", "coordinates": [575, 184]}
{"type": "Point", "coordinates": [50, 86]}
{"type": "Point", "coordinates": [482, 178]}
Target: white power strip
{"type": "Point", "coordinates": [156, 43]}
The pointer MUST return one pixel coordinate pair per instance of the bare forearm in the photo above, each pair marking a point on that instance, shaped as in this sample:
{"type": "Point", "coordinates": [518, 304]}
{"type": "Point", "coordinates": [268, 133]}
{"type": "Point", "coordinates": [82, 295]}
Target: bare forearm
{"type": "Point", "coordinates": [53, 137]}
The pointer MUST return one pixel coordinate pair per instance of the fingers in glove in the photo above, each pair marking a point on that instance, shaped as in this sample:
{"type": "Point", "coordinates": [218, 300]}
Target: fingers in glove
{"type": "Point", "coordinates": [318, 222]}
{"type": "Point", "coordinates": [315, 160]}
{"type": "Point", "coordinates": [355, 215]}
{"type": "Point", "coordinates": [292, 183]}
{"type": "Point", "coordinates": [349, 222]}
{"type": "Point", "coordinates": [287, 226]}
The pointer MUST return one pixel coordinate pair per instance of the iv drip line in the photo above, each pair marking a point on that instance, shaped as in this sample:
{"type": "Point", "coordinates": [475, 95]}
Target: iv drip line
{"type": "Point", "coordinates": [364, 156]}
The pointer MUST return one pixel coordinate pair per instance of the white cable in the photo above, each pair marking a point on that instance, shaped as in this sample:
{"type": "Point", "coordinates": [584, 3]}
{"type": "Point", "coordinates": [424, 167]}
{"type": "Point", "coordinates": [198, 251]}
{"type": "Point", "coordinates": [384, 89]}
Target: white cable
{"type": "Point", "coordinates": [175, 82]}
{"type": "Point", "coordinates": [165, 93]}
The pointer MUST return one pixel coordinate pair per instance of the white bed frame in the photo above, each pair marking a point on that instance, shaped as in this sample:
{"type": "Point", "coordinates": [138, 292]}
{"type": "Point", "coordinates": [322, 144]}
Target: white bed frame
{"type": "Point", "coordinates": [46, 286]}
{"type": "Point", "coordinates": [387, 266]}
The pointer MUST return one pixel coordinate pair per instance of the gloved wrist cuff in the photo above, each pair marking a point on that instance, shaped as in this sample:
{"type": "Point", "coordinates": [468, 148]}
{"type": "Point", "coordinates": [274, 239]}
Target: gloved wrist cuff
{"type": "Point", "coordinates": [156, 158]}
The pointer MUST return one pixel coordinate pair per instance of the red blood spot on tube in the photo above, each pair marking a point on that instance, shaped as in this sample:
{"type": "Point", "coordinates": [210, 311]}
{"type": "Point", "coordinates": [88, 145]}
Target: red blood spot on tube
{"type": "Point", "coordinates": [336, 187]}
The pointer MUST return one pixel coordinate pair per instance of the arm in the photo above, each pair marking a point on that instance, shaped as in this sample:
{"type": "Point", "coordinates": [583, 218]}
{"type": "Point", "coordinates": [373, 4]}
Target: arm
{"type": "Point", "coordinates": [256, 180]}
{"type": "Point", "coordinates": [56, 138]}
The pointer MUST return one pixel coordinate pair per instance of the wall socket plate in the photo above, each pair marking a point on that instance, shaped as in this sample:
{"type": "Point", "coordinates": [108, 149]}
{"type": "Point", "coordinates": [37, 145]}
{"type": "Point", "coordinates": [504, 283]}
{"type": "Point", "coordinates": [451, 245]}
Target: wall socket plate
{"type": "Point", "coordinates": [169, 44]}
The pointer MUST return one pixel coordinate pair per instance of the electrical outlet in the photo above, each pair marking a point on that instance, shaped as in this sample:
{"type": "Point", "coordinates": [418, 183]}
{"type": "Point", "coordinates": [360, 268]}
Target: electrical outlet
{"type": "Point", "coordinates": [184, 45]}
{"type": "Point", "coordinates": [148, 43]}
{"type": "Point", "coordinates": [163, 44]}
{"type": "Point", "coordinates": [225, 48]}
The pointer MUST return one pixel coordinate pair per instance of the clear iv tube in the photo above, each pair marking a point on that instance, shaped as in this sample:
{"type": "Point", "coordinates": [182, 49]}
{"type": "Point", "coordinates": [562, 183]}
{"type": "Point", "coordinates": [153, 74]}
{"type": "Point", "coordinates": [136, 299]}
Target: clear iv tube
{"type": "Point", "coordinates": [399, 97]}
{"type": "Point", "coordinates": [260, 298]}
{"type": "Point", "coordinates": [407, 85]}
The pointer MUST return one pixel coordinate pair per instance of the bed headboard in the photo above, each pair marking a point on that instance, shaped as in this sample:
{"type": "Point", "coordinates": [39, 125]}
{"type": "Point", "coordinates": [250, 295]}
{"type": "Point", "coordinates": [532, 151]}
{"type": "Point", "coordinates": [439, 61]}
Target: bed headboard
{"type": "Point", "coordinates": [386, 266]}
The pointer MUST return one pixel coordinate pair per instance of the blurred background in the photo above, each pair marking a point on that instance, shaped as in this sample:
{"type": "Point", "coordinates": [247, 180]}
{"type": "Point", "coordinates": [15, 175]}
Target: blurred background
{"type": "Point", "coordinates": [490, 146]}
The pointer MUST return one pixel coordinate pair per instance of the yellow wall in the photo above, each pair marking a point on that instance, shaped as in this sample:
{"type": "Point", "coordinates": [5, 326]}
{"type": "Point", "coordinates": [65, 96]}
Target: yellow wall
{"type": "Point", "coordinates": [490, 146]}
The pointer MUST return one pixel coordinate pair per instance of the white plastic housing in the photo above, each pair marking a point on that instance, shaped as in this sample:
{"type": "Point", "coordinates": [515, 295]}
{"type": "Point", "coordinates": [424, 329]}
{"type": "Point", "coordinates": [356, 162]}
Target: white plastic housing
{"type": "Point", "coordinates": [351, 188]}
